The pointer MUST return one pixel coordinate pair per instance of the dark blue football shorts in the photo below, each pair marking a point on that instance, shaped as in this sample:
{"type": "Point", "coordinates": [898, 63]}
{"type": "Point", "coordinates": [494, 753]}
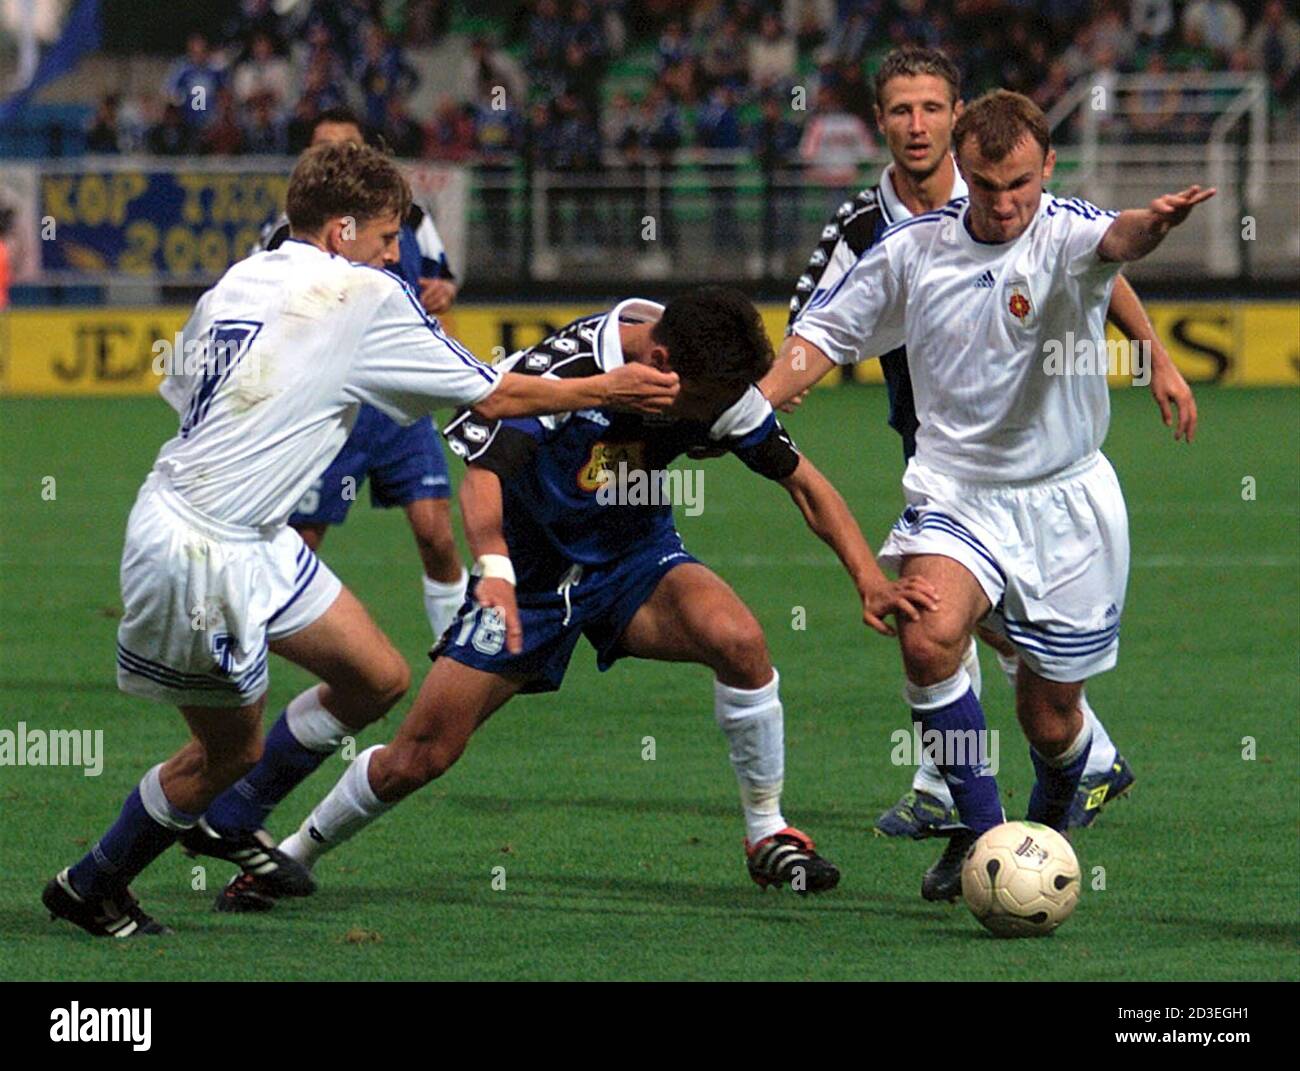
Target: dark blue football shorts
{"type": "Point", "coordinates": [598, 604]}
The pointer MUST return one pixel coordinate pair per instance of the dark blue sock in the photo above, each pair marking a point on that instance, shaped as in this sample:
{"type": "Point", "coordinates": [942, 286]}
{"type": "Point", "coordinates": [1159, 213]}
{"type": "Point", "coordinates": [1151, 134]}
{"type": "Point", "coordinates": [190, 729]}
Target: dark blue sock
{"type": "Point", "coordinates": [133, 842]}
{"type": "Point", "coordinates": [1054, 788]}
{"type": "Point", "coordinates": [285, 764]}
{"type": "Point", "coordinates": [974, 790]}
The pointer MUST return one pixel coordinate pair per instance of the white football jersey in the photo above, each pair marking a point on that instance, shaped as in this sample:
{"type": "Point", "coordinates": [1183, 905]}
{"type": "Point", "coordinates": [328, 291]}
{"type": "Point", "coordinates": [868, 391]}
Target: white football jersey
{"type": "Point", "coordinates": [977, 319]}
{"type": "Point", "coordinates": [279, 356]}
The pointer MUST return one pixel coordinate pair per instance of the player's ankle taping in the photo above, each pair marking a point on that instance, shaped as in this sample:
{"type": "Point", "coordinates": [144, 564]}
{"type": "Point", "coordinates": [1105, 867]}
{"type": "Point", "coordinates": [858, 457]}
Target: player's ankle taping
{"type": "Point", "coordinates": [159, 807]}
{"type": "Point", "coordinates": [934, 696]}
{"type": "Point", "coordinates": [314, 727]}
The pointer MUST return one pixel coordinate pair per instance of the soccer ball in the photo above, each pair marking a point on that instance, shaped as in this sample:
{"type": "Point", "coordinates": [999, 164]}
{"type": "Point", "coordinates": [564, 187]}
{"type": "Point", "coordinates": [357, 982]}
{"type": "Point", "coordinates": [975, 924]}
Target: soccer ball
{"type": "Point", "coordinates": [1021, 879]}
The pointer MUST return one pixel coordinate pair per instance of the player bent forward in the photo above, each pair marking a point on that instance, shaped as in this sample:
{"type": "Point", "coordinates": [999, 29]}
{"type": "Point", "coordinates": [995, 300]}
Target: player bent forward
{"type": "Point", "coordinates": [295, 341]}
{"type": "Point", "coordinates": [1014, 514]}
{"type": "Point", "coordinates": [560, 557]}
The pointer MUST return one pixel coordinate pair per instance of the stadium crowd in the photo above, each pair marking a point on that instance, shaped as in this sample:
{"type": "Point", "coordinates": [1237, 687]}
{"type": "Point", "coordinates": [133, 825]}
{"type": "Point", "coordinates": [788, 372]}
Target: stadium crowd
{"type": "Point", "coordinates": [785, 80]}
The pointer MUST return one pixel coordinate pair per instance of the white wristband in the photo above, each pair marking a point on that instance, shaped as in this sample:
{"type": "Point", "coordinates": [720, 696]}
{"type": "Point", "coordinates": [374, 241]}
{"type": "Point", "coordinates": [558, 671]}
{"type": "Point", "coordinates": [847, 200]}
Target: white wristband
{"type": "Point", "coordinates": [495, 567]}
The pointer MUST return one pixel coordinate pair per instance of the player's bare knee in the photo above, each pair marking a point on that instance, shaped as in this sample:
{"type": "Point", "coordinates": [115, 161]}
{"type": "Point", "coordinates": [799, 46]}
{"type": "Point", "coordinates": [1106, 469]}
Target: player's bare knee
{"type": "Point", "coordinates": [389, 683]}
{"type": "Point", "coordinates": [413, 764]}
{"type": "Point", "coordinates": [930, 654]}
{"type": "Point", "coordinates": [741, 655]}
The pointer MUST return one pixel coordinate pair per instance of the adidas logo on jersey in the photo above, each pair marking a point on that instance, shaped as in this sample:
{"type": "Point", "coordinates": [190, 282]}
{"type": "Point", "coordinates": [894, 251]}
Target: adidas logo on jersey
{"type": "Point", "coordinates": [985, 281]}
{"type": "Point", "coordinates": [818, 258]}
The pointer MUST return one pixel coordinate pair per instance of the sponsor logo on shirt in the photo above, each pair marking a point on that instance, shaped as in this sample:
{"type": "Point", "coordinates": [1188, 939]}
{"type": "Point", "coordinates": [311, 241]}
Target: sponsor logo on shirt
{"type": "Point", "coordinates": [604, 460]}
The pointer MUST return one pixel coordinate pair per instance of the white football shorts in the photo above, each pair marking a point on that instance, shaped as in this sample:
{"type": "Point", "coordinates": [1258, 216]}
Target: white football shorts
{"type": "Point", "coordinates": [202, 599]}
{"type": "Point", "coordinates": [1051, 555]}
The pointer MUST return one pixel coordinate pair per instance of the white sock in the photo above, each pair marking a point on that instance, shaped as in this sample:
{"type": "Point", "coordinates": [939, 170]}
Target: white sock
{"type": "Point", "coordinates": [1103, 750]}
{"type": "Point", "coordinates": [754, 723]}
{"type": "Point", "coordinates": [441, 601]}
{"type": "Point", "coordinates": [314, 727]}
{"type": "Point", "coordinates": [350, 806]}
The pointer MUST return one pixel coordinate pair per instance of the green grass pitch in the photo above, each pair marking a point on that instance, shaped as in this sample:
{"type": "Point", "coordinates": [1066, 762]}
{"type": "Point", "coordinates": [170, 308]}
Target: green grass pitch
{"type": "Point", "coordinates": [621, 868]}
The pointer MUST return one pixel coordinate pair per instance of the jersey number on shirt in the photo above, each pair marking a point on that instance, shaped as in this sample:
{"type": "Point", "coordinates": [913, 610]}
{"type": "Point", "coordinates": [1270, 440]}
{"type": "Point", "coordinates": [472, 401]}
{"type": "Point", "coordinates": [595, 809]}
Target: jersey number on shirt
{"type": "Point", "coordinates": [228, 341]}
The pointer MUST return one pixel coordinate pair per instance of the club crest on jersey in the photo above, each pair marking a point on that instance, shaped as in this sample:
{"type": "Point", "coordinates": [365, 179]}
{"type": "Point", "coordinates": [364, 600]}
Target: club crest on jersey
{"type": "Point", "coordinates": [603, 462]}
{"type": "Point", "coordinates": [1019, 304]}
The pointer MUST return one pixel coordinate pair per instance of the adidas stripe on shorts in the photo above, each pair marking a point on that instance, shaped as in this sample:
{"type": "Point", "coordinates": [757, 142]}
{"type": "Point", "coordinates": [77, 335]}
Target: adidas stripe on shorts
{"type": "Point", "coordinates": [202, 599]}
{"type": "Point", "coordinates": [1051, 555]}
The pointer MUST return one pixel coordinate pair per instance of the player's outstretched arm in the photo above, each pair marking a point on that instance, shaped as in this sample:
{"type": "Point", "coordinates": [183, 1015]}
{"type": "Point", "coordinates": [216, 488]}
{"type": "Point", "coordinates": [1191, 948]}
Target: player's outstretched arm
{"type": "Point", "coordinates": [1168, 387]}
{"type": "Point", "coordinates": [798, 366]}
{"type": "Point", "coordinates": [481, 509]}
{"type": "Point", "coordinates": [829, 517]}
{"type": "Point", "coordinates": [637, 387]}
{"type": "Point", "coordinates": [1137, 231]}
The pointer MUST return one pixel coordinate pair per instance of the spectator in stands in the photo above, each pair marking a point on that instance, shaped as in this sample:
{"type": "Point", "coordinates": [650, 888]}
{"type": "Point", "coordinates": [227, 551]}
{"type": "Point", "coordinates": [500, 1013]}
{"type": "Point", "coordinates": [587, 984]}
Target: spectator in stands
{"type": "Point", "coordinates": [1053, 87]}
{"type": "Point", "coordinates": [725, 60]}
{"type": "Point", "coordinates": [717, 129]}
{"type": "Point", "coordinates": [451, 134]}
{"type": "Point", "coordinates": [382, 74]}
{"type": "Point", "coordinates": [265, 133]}
{"type": "Point", "coordinates": [1151, 20]}
{"type": "Point", "coordinates": [773, 55]}
{"type": "Point", "coordinates": [486, 67]}
{"type": "Point", "coordinates": [1274, 46]}
{"type": "Point", "coordinates": [403, 136]}
{"type": "Point", "coordinates": [301, 124]}
{"type": "Point", "coordinates": [323, 84]}
{"type": "Point", "coordinates": [581, 75]}
{"type": "Point", "coordinates": [661, 133]}
{"type": "Point", "coordinates": [1153, 112]}
{"type": "Point", "coordinates": [193, 82]}
{"type": "Point", "coordinates": [498, 138]}
{"type": "Point", "coordinates": [427, 21]}
{"type": "Point", "coordinates": [674, 46]}
{"type": "Point", "coordinates": [587, 30]}
{"type": "Point", "coordinates": [171, 135]}
{"type": "Point", "coordinates": [223, 136]}
{"type": "Point", "coordinates": [774, 141]}
{"type": "Point", "coordinates": [810, 21]}
{"type": "Point", "coordinates": [1219, 24]}
{"type": "Point", "coordinates": [255, 18]}
{"type": "Point", "coordinates": [103, 137]}
{"type": "Point", "coordinates": [853, 91]}
{"type": "Point", "coordinates": [622, 132]}
{"type": "Point", "coordinates": [264, 74]}
{"type": "Point", "coordinates": [546, 40]}
{"type": "Point", "coordinates": [834, 146]}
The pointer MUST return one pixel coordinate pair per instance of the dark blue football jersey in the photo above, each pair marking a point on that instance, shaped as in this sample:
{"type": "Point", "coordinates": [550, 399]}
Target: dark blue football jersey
{"type": "Point", "coordinates": [588, 487]}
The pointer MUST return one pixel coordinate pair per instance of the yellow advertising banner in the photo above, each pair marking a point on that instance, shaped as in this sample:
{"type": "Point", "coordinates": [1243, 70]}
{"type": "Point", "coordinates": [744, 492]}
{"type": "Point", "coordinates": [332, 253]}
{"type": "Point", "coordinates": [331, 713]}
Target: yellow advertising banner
{"type": "Point", "coordinates": [109, 352]}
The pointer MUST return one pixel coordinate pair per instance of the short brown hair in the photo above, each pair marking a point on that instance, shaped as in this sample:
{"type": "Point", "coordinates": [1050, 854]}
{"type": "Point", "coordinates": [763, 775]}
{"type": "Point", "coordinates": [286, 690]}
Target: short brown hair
{"type": "Point", "coordinates": [999, 121]}
{"type": "Point", "coordinates": [912, 60]}
{"type": "Point", "coordinates": [344, 179]}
